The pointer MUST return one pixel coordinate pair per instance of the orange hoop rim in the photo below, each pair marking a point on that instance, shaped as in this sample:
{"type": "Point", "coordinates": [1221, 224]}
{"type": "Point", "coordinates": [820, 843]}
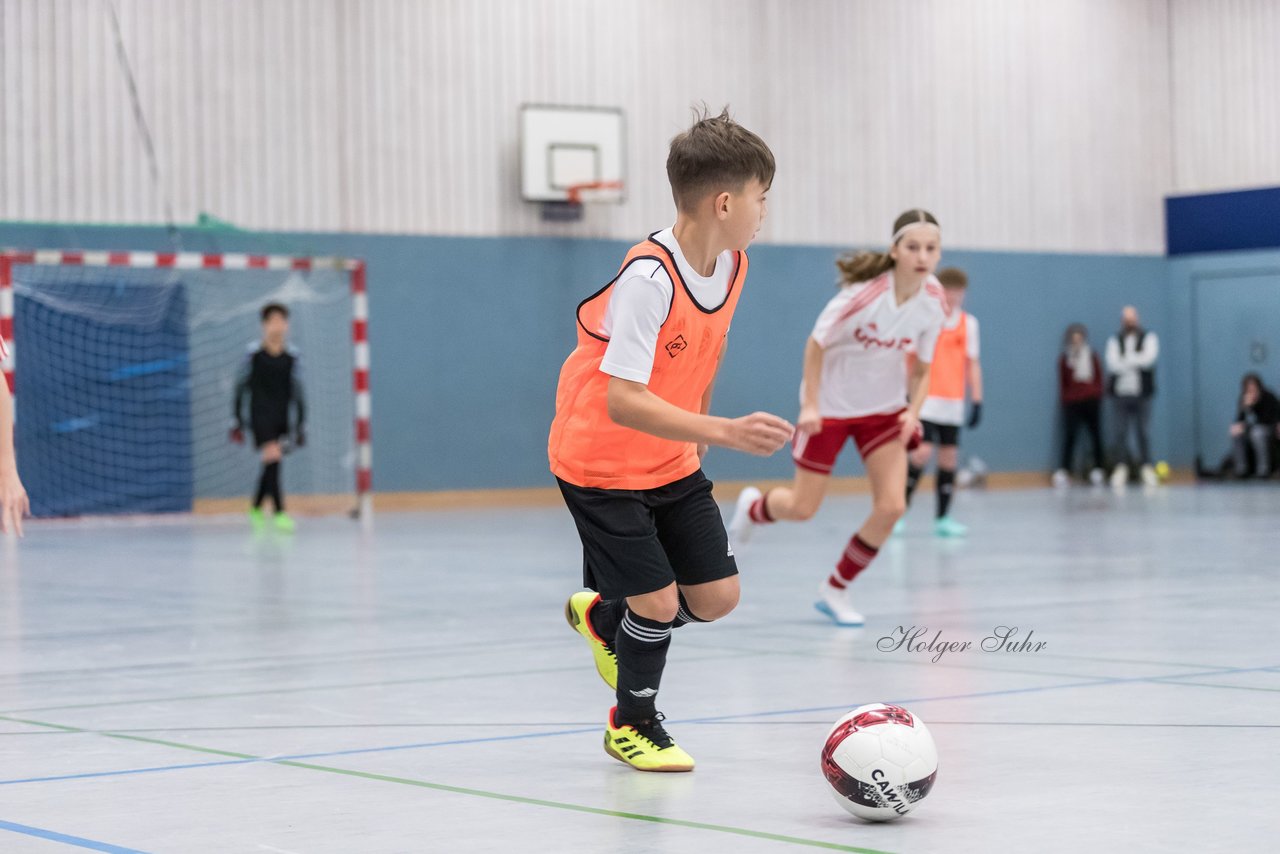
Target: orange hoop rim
{"type": "Point", "coordinates": [574, 192]}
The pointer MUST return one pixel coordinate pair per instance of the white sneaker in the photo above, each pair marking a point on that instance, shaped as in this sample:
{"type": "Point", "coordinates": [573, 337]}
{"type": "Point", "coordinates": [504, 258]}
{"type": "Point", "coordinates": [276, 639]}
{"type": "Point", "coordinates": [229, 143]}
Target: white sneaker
{"type": "Point", "coordinates": [834, 602]}
{"type": "Point", "coordinates": [741, 527]}
{"type": "Point", "coordinates": [1120, 476]}
{"type": "Point", "coordinates": [1061, 480]}
{"type": "Point", "coordinates": [1097, 477]}
{"type": "Point", "coordinates": [1149, 476]}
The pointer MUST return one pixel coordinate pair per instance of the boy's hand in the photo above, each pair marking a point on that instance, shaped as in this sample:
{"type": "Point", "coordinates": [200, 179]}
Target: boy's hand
{"type": "Point", "coordinates": [759, 433]}
{"type": "Point", "coordinates": [810, 420]}
{"type": "Point", "coordinates": [14, 504]}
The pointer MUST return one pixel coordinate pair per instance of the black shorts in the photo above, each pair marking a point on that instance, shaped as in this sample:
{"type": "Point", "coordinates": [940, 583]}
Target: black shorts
{"type": "Point", "coordinates": [941, 434]}
{"type": "Point", "coordinates": [268, 430]}
{"type": "Point", "coordinates": [638, 541]}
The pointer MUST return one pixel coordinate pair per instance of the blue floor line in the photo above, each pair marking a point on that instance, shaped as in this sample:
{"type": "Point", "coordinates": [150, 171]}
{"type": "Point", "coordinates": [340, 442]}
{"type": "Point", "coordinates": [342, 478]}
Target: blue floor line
{"type": "Point", "coordinates": [65, 839]}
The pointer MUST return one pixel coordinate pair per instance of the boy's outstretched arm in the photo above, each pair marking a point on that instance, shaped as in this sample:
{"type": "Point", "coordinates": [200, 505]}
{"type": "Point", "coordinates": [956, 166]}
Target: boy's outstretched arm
{"type": "Point", "coordinates": [631, 404]}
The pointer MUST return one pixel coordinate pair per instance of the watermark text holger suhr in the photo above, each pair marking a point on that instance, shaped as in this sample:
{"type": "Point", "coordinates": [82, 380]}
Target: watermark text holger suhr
{"type": "Point", "coordinates": [916, 639]}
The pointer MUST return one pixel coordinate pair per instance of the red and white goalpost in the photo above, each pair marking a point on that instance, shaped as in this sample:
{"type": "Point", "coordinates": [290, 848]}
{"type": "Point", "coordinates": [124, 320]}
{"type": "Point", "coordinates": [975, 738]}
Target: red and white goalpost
{"type": "Point", "coordinates": [128, 365]}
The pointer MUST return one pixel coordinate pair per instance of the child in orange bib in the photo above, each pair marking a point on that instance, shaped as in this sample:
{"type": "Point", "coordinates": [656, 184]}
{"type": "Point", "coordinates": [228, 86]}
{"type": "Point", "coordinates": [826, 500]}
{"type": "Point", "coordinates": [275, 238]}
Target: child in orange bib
{"type": "Point", "coordinates": [632, 424]}
{"type": "Point", "coordinates": [955, 370]}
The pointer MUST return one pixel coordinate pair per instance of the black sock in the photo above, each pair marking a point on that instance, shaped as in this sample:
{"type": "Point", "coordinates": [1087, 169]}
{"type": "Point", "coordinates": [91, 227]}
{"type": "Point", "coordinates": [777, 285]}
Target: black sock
{"type": "Point", "coordinates": [271, 480]}
{"type": "Point", "coordinates": [913, 479]}
{"type": "Point", "coordinates": [605, 616]}
{"type": "Point", "coordinates": [946, 483]}
{"type": "Point", "coordinates": [641, 646]}
{"type": "Point", "coordinates": [684, 616]}
{"type": "Point", "coordinates": [262, 487]}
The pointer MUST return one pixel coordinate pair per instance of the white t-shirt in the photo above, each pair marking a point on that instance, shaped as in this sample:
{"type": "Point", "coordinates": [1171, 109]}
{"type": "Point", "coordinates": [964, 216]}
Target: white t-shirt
{"type": "Point", "coordinates": [941, 410]}
{"type": "Point", "coordinates": [641, 300]}
{"type": "Point", "coordinates": [864, 335]}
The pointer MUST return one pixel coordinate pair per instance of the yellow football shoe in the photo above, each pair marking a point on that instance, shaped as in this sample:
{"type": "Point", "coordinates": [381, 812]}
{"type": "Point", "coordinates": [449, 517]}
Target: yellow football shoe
{"type": "Point", "coordinates": [577, 611]}
{"type": "Point", "coordinates": [645, 746]}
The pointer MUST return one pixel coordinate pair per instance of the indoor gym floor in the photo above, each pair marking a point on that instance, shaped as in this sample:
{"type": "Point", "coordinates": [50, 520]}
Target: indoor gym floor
{"type": "Point", "coordinates": [189, 687]}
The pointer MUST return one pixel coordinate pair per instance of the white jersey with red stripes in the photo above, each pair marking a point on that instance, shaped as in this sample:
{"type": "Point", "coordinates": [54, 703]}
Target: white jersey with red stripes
{"type": "Point", "coordinates": [4, 351]}
{"type": "Point", "coordinates": [864, 334]}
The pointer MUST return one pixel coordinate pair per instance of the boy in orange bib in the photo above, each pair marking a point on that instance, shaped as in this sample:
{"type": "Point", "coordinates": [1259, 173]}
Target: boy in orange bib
{"type": "Point", "coordinates": [632, 424]}
{"type": "Point", "coordinates": [954, 370]}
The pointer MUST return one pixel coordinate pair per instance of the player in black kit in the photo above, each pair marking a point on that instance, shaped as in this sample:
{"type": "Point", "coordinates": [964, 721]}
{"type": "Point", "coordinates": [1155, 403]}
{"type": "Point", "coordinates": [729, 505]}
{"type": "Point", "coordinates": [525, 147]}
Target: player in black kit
{"type": "Point", "coordinates": [270, 380]}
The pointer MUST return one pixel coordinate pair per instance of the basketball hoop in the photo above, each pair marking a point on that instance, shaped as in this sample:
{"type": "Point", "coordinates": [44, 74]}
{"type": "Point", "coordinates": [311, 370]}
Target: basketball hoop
{"type": "Point", "coordinates": [571, 209]}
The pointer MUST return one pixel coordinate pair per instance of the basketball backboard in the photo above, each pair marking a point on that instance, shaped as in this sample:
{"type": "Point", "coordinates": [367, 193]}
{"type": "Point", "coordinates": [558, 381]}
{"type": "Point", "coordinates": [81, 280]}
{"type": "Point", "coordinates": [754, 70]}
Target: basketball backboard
{"type": "Point", "coordinates": [565, 147]}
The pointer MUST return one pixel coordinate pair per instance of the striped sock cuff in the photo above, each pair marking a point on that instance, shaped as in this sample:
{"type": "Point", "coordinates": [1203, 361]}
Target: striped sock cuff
{"type": "Point", "coordinates": [644, 629]}
{"type": "Point", "coordinates": [860, 551]}
{"type": "Point", "coordinates": [857, 556]}
{"type": "Point", "coordinates": [759, 511]}
{"type": "Point", "coordinates": [684, 615]}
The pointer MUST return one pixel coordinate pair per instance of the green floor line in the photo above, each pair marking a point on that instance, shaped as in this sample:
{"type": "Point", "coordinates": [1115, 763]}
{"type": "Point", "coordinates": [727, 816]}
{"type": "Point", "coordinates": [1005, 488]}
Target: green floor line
{"type": "Point", "coordinates": [178, 745]}
{"type": "Point", "coordinates": [480, 793]}
{"type": "Point", "coordinates": [461, 790]}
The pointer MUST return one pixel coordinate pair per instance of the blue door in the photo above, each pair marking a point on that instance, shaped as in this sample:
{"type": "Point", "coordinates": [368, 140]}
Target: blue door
{"type": "Point", "coordinates": [1237, 330]}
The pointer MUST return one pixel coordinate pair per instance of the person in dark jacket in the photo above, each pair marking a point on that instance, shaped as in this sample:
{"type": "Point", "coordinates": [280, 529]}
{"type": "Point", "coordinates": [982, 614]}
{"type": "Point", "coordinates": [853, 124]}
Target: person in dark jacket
{"type": "Point", "coordinates": [1080, 390]}
{"type": "Point", "coordinates": [1255, 427]}
{"type": "Point", "coordinates": [270, 382]}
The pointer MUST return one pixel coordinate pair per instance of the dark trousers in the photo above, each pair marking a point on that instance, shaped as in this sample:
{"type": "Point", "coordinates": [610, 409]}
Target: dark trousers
{"type": "Point", "coordinates": [1131, 413]}
{"type": "Point", "coordinates": [1255, 438]}
{"type": "Point", "coordinates": [1086, 414]}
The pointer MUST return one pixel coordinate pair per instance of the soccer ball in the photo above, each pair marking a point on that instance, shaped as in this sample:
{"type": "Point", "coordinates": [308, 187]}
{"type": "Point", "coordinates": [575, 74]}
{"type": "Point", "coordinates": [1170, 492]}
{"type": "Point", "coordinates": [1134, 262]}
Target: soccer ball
{"type": "Point", "coordinates": [880, 761]}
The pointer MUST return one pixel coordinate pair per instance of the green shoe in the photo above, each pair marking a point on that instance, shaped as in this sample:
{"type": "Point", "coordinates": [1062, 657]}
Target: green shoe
{"type": "Point", "coordinates": [257, 519]}
{"type": "Point", "coordinates": [948, 527]}
{"type": "Point", "coordinates": [284, 522]}
{"type": "Point", "coordinates": [577, 611]}
{"type": "Point", "coordinates": [645, 746]}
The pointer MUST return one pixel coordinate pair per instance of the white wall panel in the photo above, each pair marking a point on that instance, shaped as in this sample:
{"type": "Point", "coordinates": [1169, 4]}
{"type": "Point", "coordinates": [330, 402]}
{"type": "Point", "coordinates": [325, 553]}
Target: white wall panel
{"type": "Point", "coordinates": [1023, 125]}
{"type": "Point", "coordinates": [1226, 94]}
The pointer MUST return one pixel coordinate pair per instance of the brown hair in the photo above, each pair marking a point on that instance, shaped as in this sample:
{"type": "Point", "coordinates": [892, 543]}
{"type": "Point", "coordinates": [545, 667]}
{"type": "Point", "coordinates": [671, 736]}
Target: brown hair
{"type": "Point", "coordinates": [953, 277]}
{"type": "Point", "coordinates": [863, 266]}
{"type": "Point", "coordinates": [1072, 330]}
{"type": "Point", "coordinates": [714, 155]}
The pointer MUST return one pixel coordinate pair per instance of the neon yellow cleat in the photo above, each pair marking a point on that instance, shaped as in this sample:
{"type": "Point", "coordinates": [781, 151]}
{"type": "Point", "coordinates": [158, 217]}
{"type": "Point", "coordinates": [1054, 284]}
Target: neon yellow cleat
{"type": "Point", "coordinates": [257, 519]}
{"type": "Point", "coordinates": [284, 522]}
{"type": "Point", "coordinates": [645, 746]}
{"type": "Point", "coordinates": [578, 613]}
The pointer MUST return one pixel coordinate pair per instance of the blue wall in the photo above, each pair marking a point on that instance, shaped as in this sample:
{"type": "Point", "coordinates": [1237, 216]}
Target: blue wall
{"type": "Point", "coordinates": [468, 335]}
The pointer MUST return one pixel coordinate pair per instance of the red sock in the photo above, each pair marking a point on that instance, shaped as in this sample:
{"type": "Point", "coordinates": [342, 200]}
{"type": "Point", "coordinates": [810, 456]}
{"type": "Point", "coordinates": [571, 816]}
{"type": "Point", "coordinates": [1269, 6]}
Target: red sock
{"type": "Point", "coordinates": [759, 511]}
{"type": "Point", "coordinates": [857, 557]}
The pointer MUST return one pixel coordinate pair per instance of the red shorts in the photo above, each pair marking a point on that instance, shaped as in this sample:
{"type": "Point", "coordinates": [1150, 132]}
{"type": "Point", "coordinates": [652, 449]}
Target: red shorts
{"type": "Point", "coordinates": [817, 452]}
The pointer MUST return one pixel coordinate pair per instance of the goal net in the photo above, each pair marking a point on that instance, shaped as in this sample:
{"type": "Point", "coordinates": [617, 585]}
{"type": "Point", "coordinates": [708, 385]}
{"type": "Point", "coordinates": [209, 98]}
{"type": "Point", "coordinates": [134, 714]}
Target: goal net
{"type": "Point", "coordinates": [124, 366]}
